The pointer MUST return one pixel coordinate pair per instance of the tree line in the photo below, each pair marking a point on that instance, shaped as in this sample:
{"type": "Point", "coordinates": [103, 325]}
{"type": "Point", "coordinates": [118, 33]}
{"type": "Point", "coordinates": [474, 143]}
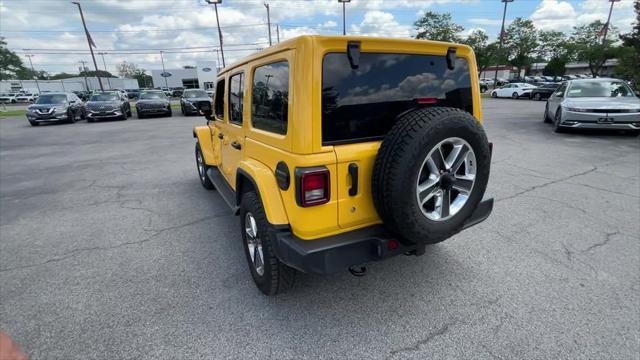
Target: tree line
{"type": "Point", "coordinates": [524, 45]}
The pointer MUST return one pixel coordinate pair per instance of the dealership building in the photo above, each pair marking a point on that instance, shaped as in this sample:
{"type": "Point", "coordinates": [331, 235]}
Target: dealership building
{"type": "Point", "coordinates": [69, 84]}
{"type": "Point", "coordinates": [203, 76]}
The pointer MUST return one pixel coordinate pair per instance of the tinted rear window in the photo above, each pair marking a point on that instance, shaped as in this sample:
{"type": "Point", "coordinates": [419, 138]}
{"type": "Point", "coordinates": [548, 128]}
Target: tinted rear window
{"type": "Point", "coordinates": [362, 104]}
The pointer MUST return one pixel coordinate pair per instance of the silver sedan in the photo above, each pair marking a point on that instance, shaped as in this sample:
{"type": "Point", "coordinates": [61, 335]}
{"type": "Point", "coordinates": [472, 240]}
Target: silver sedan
{"type": "Point", "coordinates": [594, 104]}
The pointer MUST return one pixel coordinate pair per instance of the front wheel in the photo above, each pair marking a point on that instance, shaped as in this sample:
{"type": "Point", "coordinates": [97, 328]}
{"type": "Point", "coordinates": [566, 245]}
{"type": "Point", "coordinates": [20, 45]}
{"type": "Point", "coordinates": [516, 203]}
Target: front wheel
{"type": "Point", "coordinates": [494, 95]}
{"type": "Point", "coordinates": [537, 97]}
{"type": "Point", "coordinates": [202, 169]}
{"type": "Point", "coordinates": [557, 121]}
{"type": "Point", "coordinates": [514, 95]}
{"type": "Point", "coordinates": [258, 236]}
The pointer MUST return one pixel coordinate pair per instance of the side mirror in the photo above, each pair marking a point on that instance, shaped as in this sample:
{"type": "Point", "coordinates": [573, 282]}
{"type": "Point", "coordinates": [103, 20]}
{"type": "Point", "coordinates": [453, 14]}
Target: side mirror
{"type": "Point", "coordinates": [559, 94]}
{"type": "Point", "coordinates": [637, 93]}
{"type": "Point", "coordinates": [205, 109]}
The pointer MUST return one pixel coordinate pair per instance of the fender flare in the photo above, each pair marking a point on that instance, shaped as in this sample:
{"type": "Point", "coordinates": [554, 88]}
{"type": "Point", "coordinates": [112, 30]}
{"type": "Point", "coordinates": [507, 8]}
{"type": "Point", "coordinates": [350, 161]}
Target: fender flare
{"type": "Point", "coordinates": [263, 180]}
{"type": "Point", "coordinates": [203, 136]}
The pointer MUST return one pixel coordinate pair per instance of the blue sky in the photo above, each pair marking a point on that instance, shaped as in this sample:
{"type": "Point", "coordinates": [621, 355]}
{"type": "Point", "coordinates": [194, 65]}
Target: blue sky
{"type": "Point", "coordinates": [135, 30]}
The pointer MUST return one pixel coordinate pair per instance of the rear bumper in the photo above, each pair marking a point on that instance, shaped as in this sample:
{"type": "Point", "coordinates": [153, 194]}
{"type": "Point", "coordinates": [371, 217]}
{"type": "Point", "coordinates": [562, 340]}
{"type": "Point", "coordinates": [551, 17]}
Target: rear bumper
{"type": "Point", "coordinates": [339, 252]}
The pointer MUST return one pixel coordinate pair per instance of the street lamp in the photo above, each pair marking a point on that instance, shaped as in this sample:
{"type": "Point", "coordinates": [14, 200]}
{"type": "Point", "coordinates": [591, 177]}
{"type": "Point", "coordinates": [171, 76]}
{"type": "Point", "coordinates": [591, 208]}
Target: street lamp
{"type": "Point", "coordinates": [606, 26]}
{"type": "Point", "coordinates": [215, 6]}
{"type": "Point", "coordinates": [105, 68]}
{"type": "Point", "coordinates": [344, 21]}
{"type": "Point", "coordinates": [504, 14]}
{"type": "Point", "coordinates": [90, 42]}
{"type": "Point", "coordinates": [164, 72]}
{"type": "Point", "coordinates": [268, 22]}
{"type": "Point", "coordinates": [34, 71]}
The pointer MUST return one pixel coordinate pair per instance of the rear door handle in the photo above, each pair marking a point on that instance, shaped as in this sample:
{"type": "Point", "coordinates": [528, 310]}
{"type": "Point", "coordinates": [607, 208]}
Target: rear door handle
{"type": "Point", "coordinates": [220, 135]}
{"type": "Point", "coordinates": [236, 145]}
{"type": "Point", "coordinates": [353, 172]}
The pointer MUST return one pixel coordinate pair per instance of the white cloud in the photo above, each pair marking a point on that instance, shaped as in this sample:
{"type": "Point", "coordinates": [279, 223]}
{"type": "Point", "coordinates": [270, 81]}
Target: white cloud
{"type": "Point", "coordinates": [554, 15]}
{"type": "Point", "coordinates": [380, 23]}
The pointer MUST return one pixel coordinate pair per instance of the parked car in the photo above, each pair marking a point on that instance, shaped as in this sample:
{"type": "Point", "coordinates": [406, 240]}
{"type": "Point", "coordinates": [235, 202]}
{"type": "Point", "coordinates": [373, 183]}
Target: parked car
{"type": "Point", "coordinates": [55, 107]}
{"type": "Point", "coordinates": [177, 91]}
{"type": "Point", "coordinates": [8, 98]}
{"type": "Point", "coordinates": [595, 104]}
{"type": "Point", "coordinates": [153, 102]}
{"type": "Point", "coordinates": [513, 90]}
{"type": "Point", "coordinates": [502, 81]}
{"type": "Point", "coordinates": [544, 91]}
{"type": "Point", "coordinates": [133, 93]}
{"type": "Point", "coordinates": [382, 166]}
{"type": "Point", "coordinates": [486, 81]}
{"type": "Point", "coordinates": [83, 95]}
{"type": "Point", "coordinates": [107, 105]}
{"type": "Point", "coordinates": [193, 100]}
{"type": "Point", "coordinates": [26, 97]}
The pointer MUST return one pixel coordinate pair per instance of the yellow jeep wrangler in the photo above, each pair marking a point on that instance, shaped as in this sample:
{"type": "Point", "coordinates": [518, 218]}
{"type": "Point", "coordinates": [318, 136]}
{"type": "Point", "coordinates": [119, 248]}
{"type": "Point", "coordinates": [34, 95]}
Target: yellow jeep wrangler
{"type": "Point", "coordinates": [337, 151]}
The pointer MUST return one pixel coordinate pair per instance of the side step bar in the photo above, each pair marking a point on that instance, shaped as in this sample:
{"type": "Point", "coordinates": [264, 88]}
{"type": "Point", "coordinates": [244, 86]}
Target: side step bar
{"type": "Point", "coordinates": [227, 193]}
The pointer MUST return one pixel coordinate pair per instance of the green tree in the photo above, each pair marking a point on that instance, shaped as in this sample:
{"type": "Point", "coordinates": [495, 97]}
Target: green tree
{"type": "Point", "coordinates": [552, 44]}
{"type": "Point", "coordinates": [11, 65]}
{"type": "Point", "coordinates": [629, 55]}
{"type": "Point", "coordinates": [521, 43]}
{"type": "Point", "coordinates": [587, 45]}
{"type": "Point", "coordinates": [485, 52]}
{"type": "Point", "coordinates": [132, 71]}
{"type": "Point", "coordinates": [438, 27]}
{"type": "Point", "coordinates": [555, 67]}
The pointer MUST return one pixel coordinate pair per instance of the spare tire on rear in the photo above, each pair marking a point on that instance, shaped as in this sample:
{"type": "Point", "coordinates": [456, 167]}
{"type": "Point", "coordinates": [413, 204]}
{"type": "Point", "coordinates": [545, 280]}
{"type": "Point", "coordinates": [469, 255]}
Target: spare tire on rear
{"type": "Point", "coordinates": [429, 156]}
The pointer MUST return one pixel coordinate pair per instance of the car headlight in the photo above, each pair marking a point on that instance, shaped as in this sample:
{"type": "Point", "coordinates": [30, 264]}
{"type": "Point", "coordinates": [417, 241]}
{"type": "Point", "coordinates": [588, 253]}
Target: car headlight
{"type": "Point", "coordinates": [576, 109]}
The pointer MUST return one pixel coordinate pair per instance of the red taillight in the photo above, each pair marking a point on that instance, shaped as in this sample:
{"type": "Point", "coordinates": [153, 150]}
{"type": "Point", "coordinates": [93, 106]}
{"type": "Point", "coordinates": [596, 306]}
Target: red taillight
{"type": "Point", "coordinates": [393, 244]}
{"type": "Point", "coordinates": [427, 100]}
{"type": "Point", "coordinates": [313, 186]}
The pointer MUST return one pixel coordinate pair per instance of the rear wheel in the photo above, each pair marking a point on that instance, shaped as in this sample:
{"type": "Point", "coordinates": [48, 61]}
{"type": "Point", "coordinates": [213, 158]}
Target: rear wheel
{"type": "Point", "coordinates": [430, 174]}
{"type": "Point", "coordinates": [537, 97]}
{"type": "Point", "coordinates": [494, 94]}
{"type": "Point", "coordinates": [269, 274]}
{"type": "Point", "coordinates": [514, 95]}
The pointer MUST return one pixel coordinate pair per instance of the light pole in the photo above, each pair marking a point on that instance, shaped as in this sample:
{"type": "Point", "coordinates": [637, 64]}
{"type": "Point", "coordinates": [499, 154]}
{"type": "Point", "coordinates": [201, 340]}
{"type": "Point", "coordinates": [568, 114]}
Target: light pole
{"type": "Point", "coordinates": [268, 22]}
{"type": "Point", "coordinates": [34, 71]}
{"type": "Point", "coordinates": [606, 26]}
{"type": "Point", "coordinates": [344, 18]}
{"type": "Point", "coordinates": [84, 70]}
{"type": "Point", "coordinates": [215, 6]}
{"type": "Point", "coordinates": [90, 42]}
{"type": "Point", "coordinates": [504, 14]}
{"type": "Point", "coordinates": [164, 72]}
{"type": "Point", "coordinates": [105, 68]}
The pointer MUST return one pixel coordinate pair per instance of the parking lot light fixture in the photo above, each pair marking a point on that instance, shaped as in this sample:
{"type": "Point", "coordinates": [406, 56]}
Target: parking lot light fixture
{"type": "Point", "coordinates": [35, 76]}
{"type": "Point", "coordinates": [164, 72]}
{"type": "Point", "coordinates": [215, 6]}
{"type": "Point", "coordinates": [504, 14]}
{"type": "Point", "coordinates": [344, 21]}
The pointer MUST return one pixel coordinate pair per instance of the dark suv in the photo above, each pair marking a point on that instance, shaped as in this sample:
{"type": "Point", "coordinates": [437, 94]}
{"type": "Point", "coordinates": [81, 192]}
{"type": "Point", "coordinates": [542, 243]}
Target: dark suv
{"type": "Point", "coordinates": [107, 105]}
{"type": "Point", "coordinates": [193, 100]}
{"type": "Point", "coordinates": [153, 102]}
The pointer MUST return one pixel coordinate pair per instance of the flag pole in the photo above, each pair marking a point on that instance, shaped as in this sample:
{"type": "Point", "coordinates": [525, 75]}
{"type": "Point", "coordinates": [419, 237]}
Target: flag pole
{"type": "Point", "coordinates": [91, 44]}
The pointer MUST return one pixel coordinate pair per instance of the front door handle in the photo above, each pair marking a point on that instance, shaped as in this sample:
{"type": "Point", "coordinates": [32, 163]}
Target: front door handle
{"type": "Point", "coordinates": [236, 145]}
{"type": "Point", "coordinates": [220, 135]}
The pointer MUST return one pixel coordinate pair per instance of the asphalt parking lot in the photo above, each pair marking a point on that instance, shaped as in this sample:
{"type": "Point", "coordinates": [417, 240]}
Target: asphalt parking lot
{"type": "Point", "coordinates": [110, 248]}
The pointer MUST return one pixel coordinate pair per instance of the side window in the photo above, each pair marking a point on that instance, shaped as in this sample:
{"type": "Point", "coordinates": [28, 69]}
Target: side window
{"type": "Point", "coordinates": [270, 99]}
{"type": "Point", "coordinates": [236, 93]}
{"type": "Point", "coordinates": [561, 89]}
{"type": "Point", "coordinates": [219, 101]}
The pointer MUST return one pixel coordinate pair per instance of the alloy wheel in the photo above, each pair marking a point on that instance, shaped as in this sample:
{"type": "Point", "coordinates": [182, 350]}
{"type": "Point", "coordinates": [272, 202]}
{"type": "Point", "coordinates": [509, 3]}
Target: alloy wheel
{"type": "Point", "coordinates": [446, 179]}
{"type": "Point", "coordinates": [254, 244]}
{"type": "Point", "coordinates": [200, 163]}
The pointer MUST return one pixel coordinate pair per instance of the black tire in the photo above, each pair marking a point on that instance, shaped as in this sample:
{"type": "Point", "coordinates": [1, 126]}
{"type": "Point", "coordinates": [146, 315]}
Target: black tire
{"type": "Point", "coordinates": [276, 277]}
{"type": "Point", "coordinates": [398, 165]}
{"type": "Point", "coordinates": [184, 113]}
{"type": "Point", "coordinates": [34, 123]}
{"type": "Point", "coordinates": [537, 97]}
{"type": "Point", "coordinates": [169, 112]}
{"type": "Point", "coordinates": [140, 115]}
{"type": "Point", "coordinates": [514, 95]}
{"type": "Point", "coordinates": [494, 94]}
{"type": "Point", "coordinates": [202, 168]}
{"type": "Point", "coordinates": [71, 116]}
{"type": "Point", "coordinates": [556, 122]}
{"type": "Point", "coordinates": [129, 111]}
{"type": "Point", "coordinates": [546, 118]}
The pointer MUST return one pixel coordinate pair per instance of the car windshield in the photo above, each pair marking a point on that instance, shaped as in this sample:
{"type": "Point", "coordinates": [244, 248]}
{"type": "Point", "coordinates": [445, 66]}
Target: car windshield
{"type": "Point", "coordinates": [104, 97]}
{"type": "Point", "coordinates": [152, 95]}
{"type": "Point", "coordinates": [195, 94]}
{"type": "Point", "coordinates": [51, 99]}
{"type": "Point", "coordinates": [607, 88]}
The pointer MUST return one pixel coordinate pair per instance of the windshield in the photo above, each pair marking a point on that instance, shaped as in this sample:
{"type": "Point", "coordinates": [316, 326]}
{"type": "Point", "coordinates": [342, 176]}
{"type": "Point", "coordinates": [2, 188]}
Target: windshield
{"type": "Point", "coordinates": [195, 94]}
{"type": "Point", "coordinates": [51, 99]}
{"type": "Point", "coordinates": [613, 88]}
{"type": "Point", "coordinates": [104, 97]}
{"type": "Point", "coordinates": [152, 95]}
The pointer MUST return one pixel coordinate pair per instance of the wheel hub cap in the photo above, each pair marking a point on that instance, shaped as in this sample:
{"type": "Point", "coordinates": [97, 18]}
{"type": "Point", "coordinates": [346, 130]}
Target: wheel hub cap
{"type": "Point", "coordinates": [446, 179]}
{"type": "Point", "coordinates": [254, 244]}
